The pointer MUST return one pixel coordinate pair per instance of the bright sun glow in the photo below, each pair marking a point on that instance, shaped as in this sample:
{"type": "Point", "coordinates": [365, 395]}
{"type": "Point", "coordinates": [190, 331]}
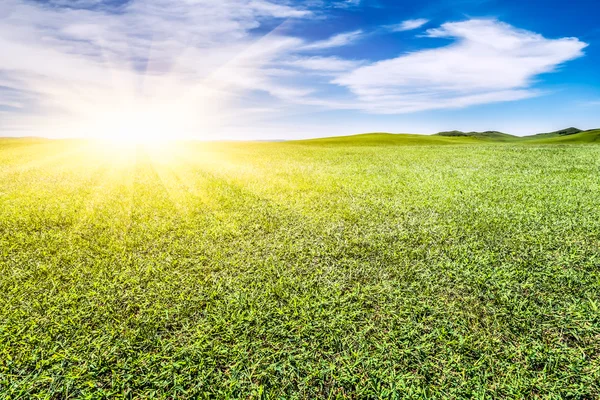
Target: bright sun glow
{"type": "Point", "coordinates": [142, 125]}
{"type": "Point", "coordinates": [139, 127]}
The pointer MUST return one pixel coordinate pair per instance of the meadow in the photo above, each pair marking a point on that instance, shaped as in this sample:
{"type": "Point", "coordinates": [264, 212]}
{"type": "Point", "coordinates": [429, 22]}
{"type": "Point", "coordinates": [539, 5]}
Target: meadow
{"type": "Point", "coordinates": [378, 266]}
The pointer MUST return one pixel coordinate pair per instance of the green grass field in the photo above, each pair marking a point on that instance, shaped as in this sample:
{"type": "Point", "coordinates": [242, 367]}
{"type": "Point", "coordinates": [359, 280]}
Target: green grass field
{"type": "Point", "coordinates": [377, 266]}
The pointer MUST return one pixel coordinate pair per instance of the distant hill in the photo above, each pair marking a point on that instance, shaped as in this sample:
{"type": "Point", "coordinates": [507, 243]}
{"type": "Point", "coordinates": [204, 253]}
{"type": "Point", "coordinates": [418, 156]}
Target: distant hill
{"type": "Point", "coordinates": [565, 136]}
{"type": "Point", "coordinates": [379, 138]}
{"type": "Point", "coordinates": [564, 132]}
{"type": "Point", "coordinates": [480, 135]}
{"type": "Point", "coordinates": [591, 136]}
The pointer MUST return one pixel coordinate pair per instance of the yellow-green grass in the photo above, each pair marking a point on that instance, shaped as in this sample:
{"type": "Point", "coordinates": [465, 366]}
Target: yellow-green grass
{"type": "Point", "coordinates": [298, 270]}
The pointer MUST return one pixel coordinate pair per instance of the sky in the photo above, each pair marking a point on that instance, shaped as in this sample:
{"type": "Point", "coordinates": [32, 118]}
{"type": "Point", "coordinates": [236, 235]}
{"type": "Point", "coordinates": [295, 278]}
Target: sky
{"type": "Point", "coordinates": [283, 69]}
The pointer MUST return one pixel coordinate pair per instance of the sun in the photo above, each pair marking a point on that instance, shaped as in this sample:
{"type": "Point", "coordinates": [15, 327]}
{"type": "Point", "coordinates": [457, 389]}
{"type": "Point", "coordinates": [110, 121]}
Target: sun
{"type": "Point", "coordinates": [133, 130]}
{"type": "Point", "coordinates": [141, 125]}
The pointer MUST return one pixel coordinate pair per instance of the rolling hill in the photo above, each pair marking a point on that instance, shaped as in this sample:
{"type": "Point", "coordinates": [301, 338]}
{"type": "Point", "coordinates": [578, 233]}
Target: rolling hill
{"type": "Point", "coordinates": [563, 132]}
{"type": "Point", "coordinates": [490, 135]}
{"type": "Point", "coordinates": [565, 136]}
{"type": "Point", "coordinates": [399, 139]}
{"type": "Point", "coordinates": [589, 136]}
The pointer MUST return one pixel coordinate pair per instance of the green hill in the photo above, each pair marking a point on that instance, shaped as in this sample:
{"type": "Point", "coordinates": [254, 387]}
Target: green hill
{"type": "Point", "coordinates": [569, 135]}
{"type": "Point", "coordinates": [590, 136]}
{"type": "Point", "coordinates": [563, 132]}
{"type": "Point", "coordinates": [376, 139]}
{"type": "Point", "coordinates": [493, 135]}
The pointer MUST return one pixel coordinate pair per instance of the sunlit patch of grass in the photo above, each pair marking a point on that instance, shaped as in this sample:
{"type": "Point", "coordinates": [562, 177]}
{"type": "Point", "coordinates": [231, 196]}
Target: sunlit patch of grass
{"type": "Point", "coordinates": [299, 270]}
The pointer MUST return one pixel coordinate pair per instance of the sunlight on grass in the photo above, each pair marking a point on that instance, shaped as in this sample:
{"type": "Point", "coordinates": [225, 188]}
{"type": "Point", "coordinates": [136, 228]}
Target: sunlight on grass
{"type": "Point", "coordinates": [299, 270]}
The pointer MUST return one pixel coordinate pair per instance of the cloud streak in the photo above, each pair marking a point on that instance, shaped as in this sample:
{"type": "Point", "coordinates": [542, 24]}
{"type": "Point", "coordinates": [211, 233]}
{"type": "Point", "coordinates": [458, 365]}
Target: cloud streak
{"type": "Point", "coordinates": [339, 40]}
{"type": "Point", "coordinates": [408, 25]}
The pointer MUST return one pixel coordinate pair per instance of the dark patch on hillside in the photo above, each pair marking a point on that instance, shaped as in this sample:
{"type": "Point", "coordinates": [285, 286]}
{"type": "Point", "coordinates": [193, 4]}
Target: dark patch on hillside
{"type": "Point", "coordinates": [485, 134]}
{"type": "Point", "coordinates": [563, 132]}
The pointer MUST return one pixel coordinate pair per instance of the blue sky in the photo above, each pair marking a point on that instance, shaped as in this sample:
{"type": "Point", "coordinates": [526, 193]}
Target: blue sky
{"type": "Point", "coordinates": [277, 69]}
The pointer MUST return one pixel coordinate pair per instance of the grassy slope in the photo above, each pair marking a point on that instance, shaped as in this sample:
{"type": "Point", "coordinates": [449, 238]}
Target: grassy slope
{"type": "Point", "coordinates": [449, 138]}
{"type": "Point", "coordinates": [581, 137]}
{"type": "Point", "coordinates": [378, 139]}
{"type": "Point", "coordinates": [299, 271]}
{"type": "Point", "coordinates": [487, 135]}
{"type": "Point", "coordinates": [562, 132]}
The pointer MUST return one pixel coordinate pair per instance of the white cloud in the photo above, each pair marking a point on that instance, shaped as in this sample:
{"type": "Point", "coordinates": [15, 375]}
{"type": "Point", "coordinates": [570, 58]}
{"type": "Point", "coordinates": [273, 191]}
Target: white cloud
{"type": "Point", "coordinates": [490, 61]}
{"type": "Point", "coordinates": [339, 40]}
{"type": "Point", "coordinates": [324, 64]}
{"type": "Point", "coordinates": [408, 25]}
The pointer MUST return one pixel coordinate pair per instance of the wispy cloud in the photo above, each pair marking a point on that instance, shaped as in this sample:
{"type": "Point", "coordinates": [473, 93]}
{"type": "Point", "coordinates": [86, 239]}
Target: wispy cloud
{"type": "Point", "coordinates": [324, 64]}
{"type": "Point", "coordinates": [490, 61]}
{"type": "Point", "coordinates": [408, 25]}
{"type": "Point", "coordinates": [339, 40]}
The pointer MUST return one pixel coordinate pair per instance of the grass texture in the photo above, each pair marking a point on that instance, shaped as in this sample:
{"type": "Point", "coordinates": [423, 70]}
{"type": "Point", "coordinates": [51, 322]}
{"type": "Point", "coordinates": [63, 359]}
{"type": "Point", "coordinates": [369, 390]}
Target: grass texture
{"type": "Point", "coordinates": [319, 269]}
